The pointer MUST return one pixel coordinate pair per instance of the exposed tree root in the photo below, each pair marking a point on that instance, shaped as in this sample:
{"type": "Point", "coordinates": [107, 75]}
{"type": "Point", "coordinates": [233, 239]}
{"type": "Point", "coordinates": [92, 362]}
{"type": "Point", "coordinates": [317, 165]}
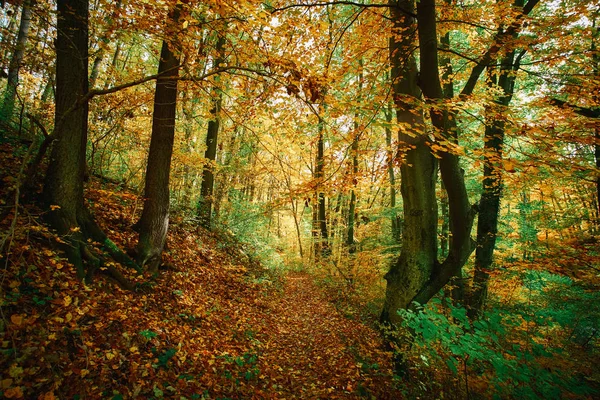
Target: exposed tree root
{"type": "Point", "coordinates": [87, 260]}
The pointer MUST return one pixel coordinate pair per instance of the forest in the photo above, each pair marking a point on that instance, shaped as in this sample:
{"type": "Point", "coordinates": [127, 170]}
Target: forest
{"type": "Point", "coordinates": [299, 199]}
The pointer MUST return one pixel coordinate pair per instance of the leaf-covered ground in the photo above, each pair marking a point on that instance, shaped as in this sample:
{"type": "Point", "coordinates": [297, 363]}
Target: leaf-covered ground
{"type": "Point", "coordinates": [214, 324]}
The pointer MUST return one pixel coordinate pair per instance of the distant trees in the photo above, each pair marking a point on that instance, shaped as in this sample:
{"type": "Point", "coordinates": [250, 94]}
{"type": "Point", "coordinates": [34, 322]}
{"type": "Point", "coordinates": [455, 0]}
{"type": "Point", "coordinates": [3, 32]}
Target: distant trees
{"type": "Point", "coordinates": [206, 200]}
{"type": "Point", "coordinates": [299, 120]}
{"type": "Point", "coordinates": [10, 94]}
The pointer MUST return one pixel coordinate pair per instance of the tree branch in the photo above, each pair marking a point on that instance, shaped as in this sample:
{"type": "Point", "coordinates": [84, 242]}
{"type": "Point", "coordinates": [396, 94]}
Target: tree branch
{"type": "Point", "coordinates": [491, 53]}
{"type": "Point", "coordinates": [343, 2]}
{"type": "Point", "coordinates": [583, 111]}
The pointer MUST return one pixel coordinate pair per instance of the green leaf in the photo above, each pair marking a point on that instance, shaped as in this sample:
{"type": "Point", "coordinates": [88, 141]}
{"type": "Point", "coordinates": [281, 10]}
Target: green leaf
{"type": "Point", "coordinates": [452, 364]}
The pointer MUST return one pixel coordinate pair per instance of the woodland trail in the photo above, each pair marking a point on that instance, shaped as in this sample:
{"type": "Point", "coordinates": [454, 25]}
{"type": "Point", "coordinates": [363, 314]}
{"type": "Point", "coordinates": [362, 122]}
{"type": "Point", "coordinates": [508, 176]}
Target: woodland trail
{"type": "Point", "coordinates": [318, 352]}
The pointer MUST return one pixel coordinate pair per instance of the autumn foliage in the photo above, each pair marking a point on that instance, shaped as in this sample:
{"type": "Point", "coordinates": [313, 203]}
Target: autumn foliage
{"type": "Point", "coordinates": [279, 199]}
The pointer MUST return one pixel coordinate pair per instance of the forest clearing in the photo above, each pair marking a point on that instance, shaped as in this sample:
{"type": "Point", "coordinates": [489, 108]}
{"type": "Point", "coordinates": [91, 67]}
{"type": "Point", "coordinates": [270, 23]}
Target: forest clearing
{"type": "Point", "coordinates": [299, 200]}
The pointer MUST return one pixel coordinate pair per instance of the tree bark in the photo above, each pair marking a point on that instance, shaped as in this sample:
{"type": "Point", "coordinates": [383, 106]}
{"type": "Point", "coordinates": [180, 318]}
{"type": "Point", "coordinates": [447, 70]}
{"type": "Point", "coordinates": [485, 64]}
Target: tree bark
{"type": "Point", "coordinates": [154, 222]}
{"type": "Point", "coordinates": [350, 242]}
{"type": "Point", "coordinates": [319, 215]}
{"type": "Point", "coordinates": [63, 186]}
{"type": "Point", "coordinates": [396, 221]}
{"type": "Point", "coordinates": [16, 60]}
{"type": "Point", "coordinates": [205, 205]}
{"type": "Point", "coordinates": [417, 172]}
{"type": "Point", "coordinates": [489, 205]}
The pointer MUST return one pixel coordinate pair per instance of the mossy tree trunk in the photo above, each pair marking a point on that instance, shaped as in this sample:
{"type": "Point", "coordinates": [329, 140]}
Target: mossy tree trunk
{"type": "Point", "coordinates": [417, 172]}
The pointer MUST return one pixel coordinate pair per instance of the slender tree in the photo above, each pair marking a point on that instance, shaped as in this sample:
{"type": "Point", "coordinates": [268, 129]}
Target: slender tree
{"type": "Point", "coordinates": [154, 222]}
{"type": "Point", "coordinates": [16, 60]}
{"type": "Point", "coordinates": [205, 206]}
{"type": "Point", "coordinates": [489, 205]}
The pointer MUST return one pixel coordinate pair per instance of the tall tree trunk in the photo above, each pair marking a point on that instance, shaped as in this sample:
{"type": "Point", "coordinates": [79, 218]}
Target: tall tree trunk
{"type": "Point", "coordinates": [419, 242]}
{"type": "Point", "coordinates": [350, 242]}
{"type": "Point", "coordinates": [15, 63]}
{"type": "Point", "coordinates": [64, 178]}
{"type": "Point", "coordinates": [63, 187]}
{"type": "Point", "coordinates": [448, 89]}
{"type": "Point", "coordinates": [489, 205]}
{"type": "Point", "coordinates": [596, 97]}
{"type": "Point", "coordinates": [391, 157]}
{"type": "Point", "coordinates": [461, 213]}
{"type": "Point", "coordinates": [319, 216]}
{"type": "Point", "coordinates": [154, 222]}
{"type": "Point", "coordinates": [205, 203]}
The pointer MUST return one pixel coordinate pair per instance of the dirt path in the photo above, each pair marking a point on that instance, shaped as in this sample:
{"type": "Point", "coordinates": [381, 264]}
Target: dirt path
{"type": "Point", "coordinates": [316, 352]}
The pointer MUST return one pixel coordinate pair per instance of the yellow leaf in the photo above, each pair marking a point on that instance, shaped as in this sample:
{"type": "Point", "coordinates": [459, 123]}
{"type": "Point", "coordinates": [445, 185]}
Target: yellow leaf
{"type": "Point", "coordinates": [16, 319]}
{"type": "Point", "coordinates": [14, 371]}
{"type": "Point", "coordinates": [5, 383]}
{"type": "Point", "coordinates": [68, 300]}
{"type": "Point", "coordinates": [54, 207]}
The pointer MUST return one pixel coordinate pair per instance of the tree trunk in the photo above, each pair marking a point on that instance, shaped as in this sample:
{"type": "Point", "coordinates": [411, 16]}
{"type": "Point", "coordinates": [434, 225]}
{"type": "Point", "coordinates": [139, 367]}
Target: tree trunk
{"type": "Point", "coordinates": [417, 172]}
{"type": "Point", "coordinates": [205, 203]}
{"type": "Point", "coordinates": [15, 63]}
{"type": "Point", "coordinates": [64, 178]}
{"type": "Point", "coordinates": [154, 222]}
{"type": "Point", "coordinates": [63, 187]}
{"type": "Point", "coordinates": [461, 213]}
{"type": "Point", "coordinates": [489, 205]}
{"type": "Point", "coordinates": [350, 242]}
{"type": "Point", "coordinates": [391, 157]}
{"type": "Point", "coordinates": [319, 216]}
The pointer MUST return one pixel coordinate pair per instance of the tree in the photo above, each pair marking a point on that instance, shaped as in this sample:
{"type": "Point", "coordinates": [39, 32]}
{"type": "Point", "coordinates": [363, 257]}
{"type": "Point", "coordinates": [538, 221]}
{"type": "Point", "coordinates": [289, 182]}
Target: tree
{"type": "Point", "coordinates": [205, 204]}
{"type": "Point", "coordinates": [15, 62]}
{"type": "Point", "coordinates": [417, 171]}
{"type": "Point", "coordinates": [63, 187]}
{"type": "Point", "coordinates": [489, 205]}
{"type": "Point", "coordinates": [154, 222]}
{"type": "Point", "coordinates": [418, 276]}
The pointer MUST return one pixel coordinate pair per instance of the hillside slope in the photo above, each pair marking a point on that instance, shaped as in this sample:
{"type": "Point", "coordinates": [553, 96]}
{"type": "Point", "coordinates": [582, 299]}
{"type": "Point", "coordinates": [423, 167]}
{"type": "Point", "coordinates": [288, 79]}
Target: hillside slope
{"type": "Point", "coordinates": [214, 324]}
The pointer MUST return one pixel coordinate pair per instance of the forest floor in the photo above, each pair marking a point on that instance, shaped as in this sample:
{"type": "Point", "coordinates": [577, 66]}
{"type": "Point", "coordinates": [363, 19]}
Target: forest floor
{"type": "Point", "coordinates": [214, 324]}
{"type": "Point", "coordinates": [217, 324]}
